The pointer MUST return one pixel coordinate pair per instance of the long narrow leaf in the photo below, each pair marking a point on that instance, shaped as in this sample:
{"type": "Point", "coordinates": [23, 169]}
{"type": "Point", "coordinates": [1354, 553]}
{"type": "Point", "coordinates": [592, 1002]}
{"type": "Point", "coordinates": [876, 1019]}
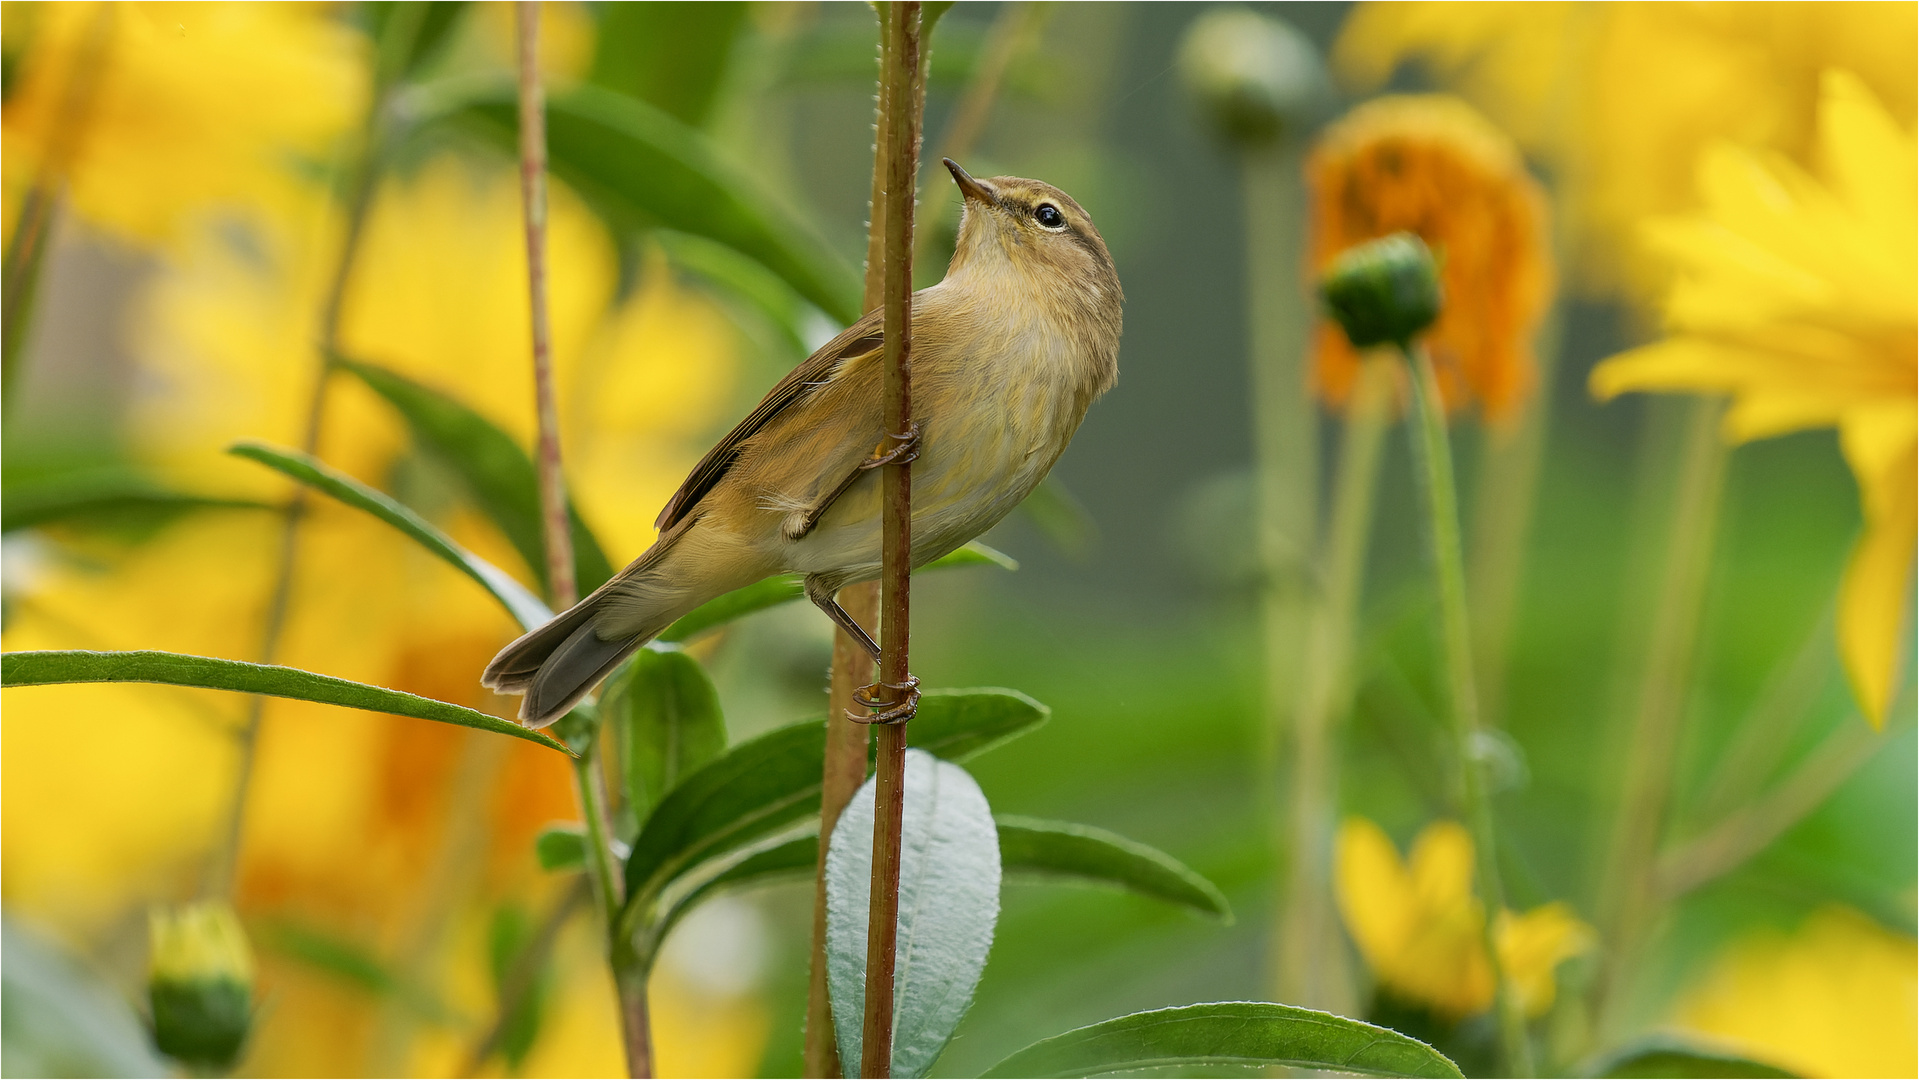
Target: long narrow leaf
{"type": "Point", "coordinates": [1243, 1033]}
{"type": "Point", "coordinates": [1672, 1056]}
{"type": "Point", "coordinates": [497, 473]}
{"type": "Point", "coordinates": [641, 167]}
{"type": "Point", "coordinates": [1081, 852]}
{"type": "Point", "coordinates": [786, 588]}
{"type": "Point", "coordinates": [213, 673]}
{"type": "Point", "coordinates": [102, 495]}
{"type": "Point", "coordinates": [763, 785]}
{"type": "Point", "coordinates": [519, 601]}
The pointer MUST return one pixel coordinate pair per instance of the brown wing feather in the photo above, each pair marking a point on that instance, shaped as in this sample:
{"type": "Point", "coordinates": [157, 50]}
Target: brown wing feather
{"type": "Point", "coordinates": [860, 339]}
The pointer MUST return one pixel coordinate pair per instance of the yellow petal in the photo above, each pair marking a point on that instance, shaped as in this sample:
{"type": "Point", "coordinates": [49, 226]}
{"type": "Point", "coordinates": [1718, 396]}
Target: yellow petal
{"type": "Point", "coordinates": [1532, 946]}
{"type": "Point", "coordinates": [1442, 866]}
{"type": "Point", "coordinates": [1872, 599]}
{"type": "Point", "coordinates": [1374, 892]}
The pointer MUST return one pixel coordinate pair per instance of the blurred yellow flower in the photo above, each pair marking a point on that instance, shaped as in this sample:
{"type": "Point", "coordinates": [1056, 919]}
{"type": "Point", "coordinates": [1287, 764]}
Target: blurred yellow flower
{"type": "Point", "coordinates": [1419, 926]}
{"type": "Point", "coordinates": [1837, 997]}
{"type": "Point", "coordinates": [1431, 165]}
{"type": "Point", "coordinates": [1801, 301]}
{"type": "Point", "coordinates": [196, 106]}
{"type": "Point", "coordinates": [1620, 98]}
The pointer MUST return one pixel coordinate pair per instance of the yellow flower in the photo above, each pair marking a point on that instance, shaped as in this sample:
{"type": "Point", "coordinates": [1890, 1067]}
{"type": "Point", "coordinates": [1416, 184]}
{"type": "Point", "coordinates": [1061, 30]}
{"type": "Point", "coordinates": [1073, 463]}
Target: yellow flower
{"type": "Point", "coordinates": [1620, 98]}
{"type": "Point", "coordinates": [192, 106]}
{"type": "Point", "coordinates": [1798, 300]}
{"type": "Point", "coordinates": [1431, 165]}
{"type": "Point", "coordinates": [1420, 927]}
{"type": "Point", "coordinates": [1837, 997]}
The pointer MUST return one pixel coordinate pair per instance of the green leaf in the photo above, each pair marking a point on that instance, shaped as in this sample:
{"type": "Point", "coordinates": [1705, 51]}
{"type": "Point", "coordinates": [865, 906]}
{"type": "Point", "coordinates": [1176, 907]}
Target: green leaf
{"type": "Point", "coordinates": [785, 588]}
{"type": "Point", "coordinates": [352, 963]}
{"type": "Point", "coordinates": [793, 858]}
{"type": "Point", "coordinates": [410, 33]}
{"type": "Point", "coordinates": [797, 322]}
{"type": "Point", "coordinates": [213, 673]}
{"type": "Point", "coordinates": [512, 932]}
{"type": "Point", "coordinates": [948, 905]}
{"type": "Point", "coordinates": [1061, 518]}
{"type": "Point", "coordinates": [561, 847]}
{"type": "Point", "coordinates": [669, 55]}
{"type": "Point", "coordinates": [1246, 1033]}
{"type": "Point", "coordinates": [519, 602]}
{"type": "Point", "coordinates": [1082, 852]}
{"type": "Point", "coordinates": [61, 1019]}
{"type": "Point", "coordinates": [1667, 1055]}
{"type": "Point", "coordinates": [641, 168]}
{"type": "Point", "coordinates": [103, 496]}
{"type": "Point", "coordinates": [667, 718]}
{"type": "Point", "coordinates": [498, 475]}
{"type": "Point", "coordinates": [765, 784]}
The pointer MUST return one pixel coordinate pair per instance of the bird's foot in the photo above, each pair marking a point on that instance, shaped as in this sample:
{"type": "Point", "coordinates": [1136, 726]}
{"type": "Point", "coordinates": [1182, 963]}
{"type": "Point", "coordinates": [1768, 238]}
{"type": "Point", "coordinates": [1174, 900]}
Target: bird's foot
{"type": "Point", "coordinates": [892, 703]}
{"type": "Point", "coordinates": [905, 448]}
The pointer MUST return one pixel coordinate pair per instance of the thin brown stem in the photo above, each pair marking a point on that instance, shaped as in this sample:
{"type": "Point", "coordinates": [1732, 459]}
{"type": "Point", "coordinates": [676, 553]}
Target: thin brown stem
{"type": "Point", "coordinates": [846, 742]}
{"type": "Point", "coordinates": [558, 534]}
{"type": "Point", "coordinates": [901, 89]}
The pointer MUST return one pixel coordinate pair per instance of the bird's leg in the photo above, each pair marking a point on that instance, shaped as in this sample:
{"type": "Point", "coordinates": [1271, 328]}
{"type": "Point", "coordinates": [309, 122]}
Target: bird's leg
{"type": "Point", "coordinates": [822, 596]}
{"type": "Point", "coordinates": [896, 706]}
{"type": "Point", "coordinates": [904, 448]}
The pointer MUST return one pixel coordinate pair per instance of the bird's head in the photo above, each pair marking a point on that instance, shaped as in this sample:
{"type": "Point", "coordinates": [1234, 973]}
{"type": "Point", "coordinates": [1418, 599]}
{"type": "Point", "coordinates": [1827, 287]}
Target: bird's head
{"type": "Point", "coordinates": [1032, 229]}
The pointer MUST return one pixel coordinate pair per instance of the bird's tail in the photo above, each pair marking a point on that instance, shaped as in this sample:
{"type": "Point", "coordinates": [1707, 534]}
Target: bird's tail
{"type": "Point", "coordinates": [557, 664]}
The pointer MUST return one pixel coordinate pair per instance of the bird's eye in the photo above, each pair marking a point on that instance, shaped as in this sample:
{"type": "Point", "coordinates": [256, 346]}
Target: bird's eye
{"type": "Point", "coordinates": [1049, 216]}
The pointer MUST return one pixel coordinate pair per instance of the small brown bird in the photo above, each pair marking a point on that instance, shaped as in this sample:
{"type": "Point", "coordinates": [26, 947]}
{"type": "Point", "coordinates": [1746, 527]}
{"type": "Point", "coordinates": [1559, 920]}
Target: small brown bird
{"type": "Point", "coordinates": [1009, 351]}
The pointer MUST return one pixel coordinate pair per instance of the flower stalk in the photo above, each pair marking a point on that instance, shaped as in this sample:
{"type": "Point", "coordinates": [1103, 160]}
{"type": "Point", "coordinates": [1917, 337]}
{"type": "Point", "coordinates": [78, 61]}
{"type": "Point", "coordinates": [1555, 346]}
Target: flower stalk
{"type": "Point", "coordinates": [1434, 467]}
{"type": "Point", "coordinates": [900, 85]}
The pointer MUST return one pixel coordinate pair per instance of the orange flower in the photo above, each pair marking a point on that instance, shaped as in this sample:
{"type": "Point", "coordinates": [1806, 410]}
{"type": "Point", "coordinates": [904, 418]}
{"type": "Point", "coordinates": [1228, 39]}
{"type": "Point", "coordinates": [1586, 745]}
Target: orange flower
{"type": "Point", "coordinates": [1430, 165]}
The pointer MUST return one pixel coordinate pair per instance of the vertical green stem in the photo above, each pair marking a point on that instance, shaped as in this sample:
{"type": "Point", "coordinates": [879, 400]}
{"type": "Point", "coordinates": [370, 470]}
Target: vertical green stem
{"type": "Point", "coordinates": [1628, 901]}
{"type": "Point", "coordinates": [1434, 460]}
{"type": "Point", "coordinates": [1285, 501]}
{"type": "Point", "coordinates": [1310, 941]}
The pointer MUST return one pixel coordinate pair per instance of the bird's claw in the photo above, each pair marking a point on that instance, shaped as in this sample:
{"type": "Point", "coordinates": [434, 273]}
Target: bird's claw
{"type": "Point", "coordinates": [905, 448]}
{"type": "Point", "coordinates": [900, 702]}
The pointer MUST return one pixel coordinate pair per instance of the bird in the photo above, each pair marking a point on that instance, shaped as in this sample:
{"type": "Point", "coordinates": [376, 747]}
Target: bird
{"type": "Point", "coordinates": [1010, 350]}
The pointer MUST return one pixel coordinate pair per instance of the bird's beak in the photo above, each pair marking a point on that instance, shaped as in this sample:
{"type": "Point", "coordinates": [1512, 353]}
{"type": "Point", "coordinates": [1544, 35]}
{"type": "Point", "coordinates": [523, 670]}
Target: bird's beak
{"type": "Point", "coordinates": [969, 187]}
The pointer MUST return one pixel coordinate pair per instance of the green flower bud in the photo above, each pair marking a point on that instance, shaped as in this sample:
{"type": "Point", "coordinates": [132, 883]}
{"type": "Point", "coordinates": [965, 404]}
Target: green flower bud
{"type": "Point", "coordinates": [1383, 291]}
{"type": "Point", "coordinates": [1255, 76]}
{"type": "Point", "coordinates": [200, 983]}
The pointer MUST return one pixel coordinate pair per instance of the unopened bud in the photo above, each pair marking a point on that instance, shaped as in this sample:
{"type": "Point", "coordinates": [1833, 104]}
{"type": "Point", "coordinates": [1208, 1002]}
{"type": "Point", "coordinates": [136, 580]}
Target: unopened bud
{"type": "Point", "coordinates": [200, 983]}
{"type": "Point", "coordinates": [1254, 75]}
{"type": "Point", "coordinates": [1384, 291]}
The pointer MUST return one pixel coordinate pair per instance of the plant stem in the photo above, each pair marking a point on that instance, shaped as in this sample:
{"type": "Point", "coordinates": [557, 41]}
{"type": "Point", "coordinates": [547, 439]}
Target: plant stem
{"type": "Point", "coordinates": [1309, 939]}
{"type": "Point", "coordinates": [1434, 460]}
{"type": "Point", "coordinates": [900, 80]}
{"type": "Point", "coordinates": [1509, 465]}
{"type": "Point", "coordinates": [846, 741]}
{"type": "Point", "coordinates": [363, 182]}
{"type": "Point", "coordinates": [559, 536]}
{"type": "Point", "coordinates": [525, 970]}
{"type": "Point", "coordinates": [1285, 502]}
{"type": "Point", "coordinates": [27, 247]}
{"type": "Point", "coordinates": [1627, 902]}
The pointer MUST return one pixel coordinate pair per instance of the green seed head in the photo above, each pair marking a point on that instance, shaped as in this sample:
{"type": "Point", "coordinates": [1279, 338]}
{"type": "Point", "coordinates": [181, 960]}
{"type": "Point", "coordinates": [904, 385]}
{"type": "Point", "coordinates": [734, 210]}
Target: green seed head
{"type": "Point", "coordinates": [1384, 291]}
{"type": "Point", "coordinates": [1255, 76]}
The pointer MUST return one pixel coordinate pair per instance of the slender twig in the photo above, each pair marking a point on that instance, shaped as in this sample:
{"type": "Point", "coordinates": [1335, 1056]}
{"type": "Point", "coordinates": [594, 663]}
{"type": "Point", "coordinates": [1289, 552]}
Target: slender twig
{"type": "Point", "coordinates": [27, 247]}
{"type": "Point", "coordinates": [362, 183]}
{"type": "Point", "coordinates": [523, 973]}
{"type": "Point", "coordinates": [558, 533]}
{"type": "Point", "coordinates": [1726, 845]}
{"type": "Point", "coordinates": [1627, 901]}
{"type": "Point", "coordinates": [1309, 945]}
{"type": "Point", "coordinates": [1012, 31]}
{"type": "Point", "coordinates": [846, 742]}
{"type": "Point", "coordinates": [1509, 467]}
{"type": "Point", "coordinates": [1435, 470]}
{"type": "Point", "coordinates": [902, 73]}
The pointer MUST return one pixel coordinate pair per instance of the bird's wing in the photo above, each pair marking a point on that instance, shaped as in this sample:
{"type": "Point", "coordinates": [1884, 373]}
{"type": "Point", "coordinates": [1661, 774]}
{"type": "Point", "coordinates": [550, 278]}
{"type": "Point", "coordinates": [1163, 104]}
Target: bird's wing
{"type": "Point", "coordinates": [861, 339]}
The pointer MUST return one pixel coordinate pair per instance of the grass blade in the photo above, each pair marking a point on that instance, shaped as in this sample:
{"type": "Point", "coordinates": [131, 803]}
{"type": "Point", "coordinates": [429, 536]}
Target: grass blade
{"type": "Point", "coordinates": [1058, 849]}
{"type": "Point", "coordinates": [214, 673]}
{"type": "Point", "coordinates": [518, 600]}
